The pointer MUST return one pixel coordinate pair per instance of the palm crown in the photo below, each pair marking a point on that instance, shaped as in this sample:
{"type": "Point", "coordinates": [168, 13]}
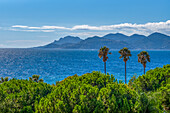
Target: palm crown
{"type": "Point", "coordinates": [143, 57]}
{"type": "Point", "coordinates": [3, 79]}
{"type": "Point", "coordinates": [125, 54]}
{"type": "Point", "coordinates": [103, 52]}
{"type": "Point", "coordinates": [35, 78]}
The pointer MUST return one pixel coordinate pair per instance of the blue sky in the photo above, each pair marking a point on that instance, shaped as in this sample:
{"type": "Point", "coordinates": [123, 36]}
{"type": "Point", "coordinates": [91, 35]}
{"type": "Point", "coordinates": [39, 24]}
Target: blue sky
{"type": "Point", "coordinates": [28, 23]}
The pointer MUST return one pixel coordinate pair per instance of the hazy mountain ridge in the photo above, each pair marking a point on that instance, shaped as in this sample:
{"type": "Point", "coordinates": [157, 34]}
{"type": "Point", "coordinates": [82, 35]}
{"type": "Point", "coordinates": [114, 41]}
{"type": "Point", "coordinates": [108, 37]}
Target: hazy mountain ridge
{"type": "Point", "coordinates": [68, 39]}
{"type": "Point", "coordinates": [113, 41]}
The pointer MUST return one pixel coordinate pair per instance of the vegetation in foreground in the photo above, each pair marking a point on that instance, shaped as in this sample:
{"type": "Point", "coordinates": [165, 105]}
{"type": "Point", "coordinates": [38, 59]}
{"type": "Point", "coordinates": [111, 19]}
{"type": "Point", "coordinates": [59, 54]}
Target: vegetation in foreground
{"type": "Point", "coordinates": [91, 92]}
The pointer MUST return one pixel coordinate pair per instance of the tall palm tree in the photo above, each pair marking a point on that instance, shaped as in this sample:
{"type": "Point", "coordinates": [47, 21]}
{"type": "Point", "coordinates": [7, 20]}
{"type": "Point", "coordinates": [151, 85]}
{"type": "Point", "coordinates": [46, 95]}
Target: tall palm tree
{"type": "Point", "coordinates": [125, 54]}
{"type": "Point", "coordinates": [103, 52]}
{"type": "Point", "coordinates": [143, 58]}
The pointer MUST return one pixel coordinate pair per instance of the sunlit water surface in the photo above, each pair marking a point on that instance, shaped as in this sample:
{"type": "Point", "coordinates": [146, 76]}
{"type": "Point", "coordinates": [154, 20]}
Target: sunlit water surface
{"type": "Point", "coordinates": [55, 65]}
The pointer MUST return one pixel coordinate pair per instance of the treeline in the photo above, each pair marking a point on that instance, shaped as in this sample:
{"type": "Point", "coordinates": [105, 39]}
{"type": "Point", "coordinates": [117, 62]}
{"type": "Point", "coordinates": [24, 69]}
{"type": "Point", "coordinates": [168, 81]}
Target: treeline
{"type": "Point", "coordinates": [91, 92]}
{"type": "Point", "coordinates": [156, 83]}
{"type": "Point", "coordinates": [21, 95]}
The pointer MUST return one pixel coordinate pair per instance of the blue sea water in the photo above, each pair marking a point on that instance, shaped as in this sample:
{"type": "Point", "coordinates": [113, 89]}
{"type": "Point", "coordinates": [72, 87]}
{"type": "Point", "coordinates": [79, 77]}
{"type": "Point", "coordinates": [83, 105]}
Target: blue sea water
{"type": "Point", "coordinates": [55, 65]}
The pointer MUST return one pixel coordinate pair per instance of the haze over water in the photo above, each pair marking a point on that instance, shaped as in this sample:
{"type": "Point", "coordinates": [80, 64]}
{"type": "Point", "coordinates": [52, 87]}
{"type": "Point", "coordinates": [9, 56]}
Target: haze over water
{"type": "Point", "coordinates": [55, 65]}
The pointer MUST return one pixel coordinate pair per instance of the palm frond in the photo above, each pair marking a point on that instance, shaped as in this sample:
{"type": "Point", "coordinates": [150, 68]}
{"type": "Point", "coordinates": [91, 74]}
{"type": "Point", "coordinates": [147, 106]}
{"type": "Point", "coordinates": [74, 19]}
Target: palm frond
{"type": "Point", "coordinates": [125, 54]}
{"type": "Point", "coordinates": [103, 52]}
{"type": "Point", "coordinates": [143, 57]}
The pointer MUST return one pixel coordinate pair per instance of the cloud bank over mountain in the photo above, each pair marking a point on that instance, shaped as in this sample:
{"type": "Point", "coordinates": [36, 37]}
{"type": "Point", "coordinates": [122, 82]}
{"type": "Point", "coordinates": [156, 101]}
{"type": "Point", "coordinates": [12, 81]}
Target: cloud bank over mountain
{"type": "Point", "coordinates": [46, 33]}
{"type": "Point", "coordinates": [126, 28]}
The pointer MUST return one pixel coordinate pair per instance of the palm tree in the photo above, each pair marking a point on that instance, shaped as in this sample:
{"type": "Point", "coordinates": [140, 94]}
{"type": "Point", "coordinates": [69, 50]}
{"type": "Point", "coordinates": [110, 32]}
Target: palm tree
{"type": "Point", "coordinates": [3, 79]}
{"type": "Point", "coordinates": [35, 78]}
{"type": "Point", "coordinates": [103, 52]}
{"type": "Point", "coordinates": [125, 54]}
{"type": "Point", "coordinates": [143, 58]}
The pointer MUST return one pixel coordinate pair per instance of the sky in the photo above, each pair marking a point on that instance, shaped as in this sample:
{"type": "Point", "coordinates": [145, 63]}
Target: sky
{"type": "Point", "coordinates": [31, 23]}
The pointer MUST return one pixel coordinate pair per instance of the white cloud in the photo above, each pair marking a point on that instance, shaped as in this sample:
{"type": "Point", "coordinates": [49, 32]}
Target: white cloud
{"type": "Point", "coordinates": [54, 27]}
{"type": "Point", "coordinates": [39, 28]}
{"type": "Point", "coordinates": [47, 30]}
{"type": "Point", "coordinates": [20, 26]}
{"type": "Point", "coordinates": [85, 27]}
{"type": "Point", "coordinates": [150, 26]}
{"type": "Point", "coordinates": [30, 30]}
{"type": "Point", "coordinates": [127, 28]}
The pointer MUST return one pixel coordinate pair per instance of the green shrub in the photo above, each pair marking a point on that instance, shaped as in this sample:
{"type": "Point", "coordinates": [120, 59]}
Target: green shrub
{"type": "Point", "coordinates": [153, 79]}
{"type": "Point", "coordinates": [156, 83]}
{"type": "Point", "coordinates": [94, 92]}
{"type": "Point", "coordinates": [20, 95]}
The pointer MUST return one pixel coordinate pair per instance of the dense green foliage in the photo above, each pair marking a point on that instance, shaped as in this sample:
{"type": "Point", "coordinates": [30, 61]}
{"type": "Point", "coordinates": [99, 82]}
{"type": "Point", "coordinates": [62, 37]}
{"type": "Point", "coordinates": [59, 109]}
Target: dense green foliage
{"type": "Point", "coordinates": [155, 82]}
{"type": "Point", "coordinates": [91, 92]}
{"type": "Point", "coordinates": [21, 95]}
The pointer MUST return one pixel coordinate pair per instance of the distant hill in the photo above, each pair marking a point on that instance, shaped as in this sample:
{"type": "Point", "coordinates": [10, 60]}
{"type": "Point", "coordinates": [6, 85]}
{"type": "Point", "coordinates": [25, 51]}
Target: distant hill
{"type": "Point", "coordinates": [68, 39]}
{"type": "Point", "coordinates": [97, 42]}
{"type": "Point", "coordinates": [62, 42]}
{"type": "Point", "coordinates": [117, 36]}
{"type": "Point", "coordinates": [113, 41]}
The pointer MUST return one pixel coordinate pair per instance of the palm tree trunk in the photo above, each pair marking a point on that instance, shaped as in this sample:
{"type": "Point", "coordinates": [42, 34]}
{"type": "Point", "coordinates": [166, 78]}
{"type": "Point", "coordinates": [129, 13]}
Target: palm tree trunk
{"type": "Point", "coordinates": [125, 72]}
{"type": "Point", "coordinates": [105, 67]}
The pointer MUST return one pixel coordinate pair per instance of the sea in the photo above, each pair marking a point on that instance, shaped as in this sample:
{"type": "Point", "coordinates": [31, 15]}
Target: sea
{"type": "Point", "coordinates": [56, 64]}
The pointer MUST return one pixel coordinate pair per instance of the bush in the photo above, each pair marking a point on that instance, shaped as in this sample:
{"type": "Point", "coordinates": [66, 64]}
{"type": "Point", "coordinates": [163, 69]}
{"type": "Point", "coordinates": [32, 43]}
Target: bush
{"type": "Point", "coordinates": [20, 95]}
{"type": "Point", "coordinates": [153, 79]}
{"type": "Point", "coordinates": [156, 83]}
{"type": "Point", "coordinates": [94, 92]}
{"type": "Point", "coordinates": [91, 92]}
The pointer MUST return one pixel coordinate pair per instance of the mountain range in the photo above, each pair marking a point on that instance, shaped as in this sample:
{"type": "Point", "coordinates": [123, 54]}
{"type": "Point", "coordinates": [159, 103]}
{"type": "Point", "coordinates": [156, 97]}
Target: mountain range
{"type": "Point", "coordinates": [113, 41]}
